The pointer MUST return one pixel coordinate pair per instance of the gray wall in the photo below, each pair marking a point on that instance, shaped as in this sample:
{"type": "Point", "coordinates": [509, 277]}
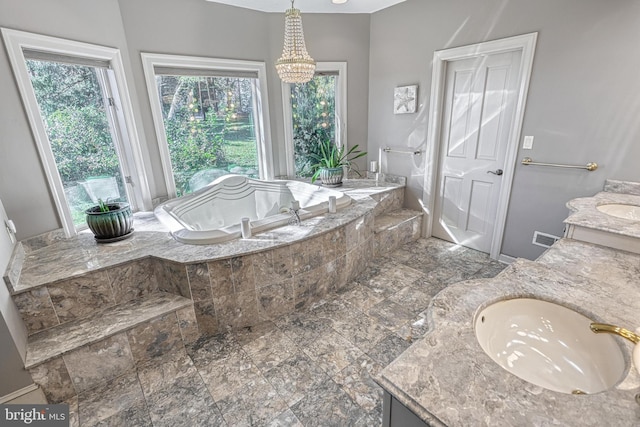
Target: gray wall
{"type": "Point", "coordinates": [13, 332]}
{"type": "Point", "coordinates": [203, 28]}
{"type": "Point", "coordinates": [189, 27]}
{"type": "Point", "coordinates": [328, 38]}
{"type": "Point", "coordinates": [583, 103]}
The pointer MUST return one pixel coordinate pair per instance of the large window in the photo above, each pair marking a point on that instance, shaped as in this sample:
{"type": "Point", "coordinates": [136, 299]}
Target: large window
{"type": "Point", "coordinates": [74, 105]}
{"type": "Point", "coordinates": [75, 97]}
{"type": "Point", "coordinates": [314, 112]}
{"type": "Point", "coordinates": [208, 118]}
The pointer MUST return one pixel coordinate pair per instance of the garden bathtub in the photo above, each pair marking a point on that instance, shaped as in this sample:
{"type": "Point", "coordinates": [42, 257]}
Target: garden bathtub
{"type": "Point", "coordinates": [213, 213]}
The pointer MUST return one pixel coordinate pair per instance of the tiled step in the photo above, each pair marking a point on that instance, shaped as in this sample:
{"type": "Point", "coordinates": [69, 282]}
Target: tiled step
{"type": "Point", "coordinates": [388, 201]}
{"type": "Point", "coordinates": [51, 304]}
{"type": "Point", "coordinates": [74, 357]}
{"type": "Point", "coordinates": [64, 338]}
{"type": "Point", "coordinates": [396, 228]}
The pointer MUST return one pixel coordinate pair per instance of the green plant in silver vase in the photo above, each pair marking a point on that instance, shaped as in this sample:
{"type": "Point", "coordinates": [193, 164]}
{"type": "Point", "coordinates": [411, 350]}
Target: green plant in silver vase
{"type": "Point", "coordinates": [332, 160]}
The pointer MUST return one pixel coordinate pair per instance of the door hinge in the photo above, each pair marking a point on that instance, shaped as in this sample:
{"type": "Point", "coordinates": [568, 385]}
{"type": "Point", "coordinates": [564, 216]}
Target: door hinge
{"type": "Point", "coordinates": [128, 180]}
{"type": "Point", "coordinates": [112, 102]}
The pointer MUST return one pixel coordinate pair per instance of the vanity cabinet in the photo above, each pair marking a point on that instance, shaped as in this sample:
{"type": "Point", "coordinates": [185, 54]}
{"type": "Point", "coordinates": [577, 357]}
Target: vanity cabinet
{"type": "Point", "coordinates": [395, 414]}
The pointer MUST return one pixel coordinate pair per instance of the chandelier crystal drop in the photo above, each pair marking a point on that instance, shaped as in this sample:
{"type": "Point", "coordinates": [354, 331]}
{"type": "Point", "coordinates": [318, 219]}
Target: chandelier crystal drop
{"type": "Point", "coordinates": [295, 65]}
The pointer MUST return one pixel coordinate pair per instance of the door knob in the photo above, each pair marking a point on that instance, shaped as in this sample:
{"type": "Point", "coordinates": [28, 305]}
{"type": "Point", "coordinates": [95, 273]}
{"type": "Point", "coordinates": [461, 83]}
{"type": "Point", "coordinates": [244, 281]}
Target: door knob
{"type": "Point", "coordinates": [496, 172]}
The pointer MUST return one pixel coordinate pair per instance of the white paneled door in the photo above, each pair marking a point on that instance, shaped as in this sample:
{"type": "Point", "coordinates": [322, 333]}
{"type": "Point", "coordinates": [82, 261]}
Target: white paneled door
{"type": "Point", "coordinates": [479, 103]}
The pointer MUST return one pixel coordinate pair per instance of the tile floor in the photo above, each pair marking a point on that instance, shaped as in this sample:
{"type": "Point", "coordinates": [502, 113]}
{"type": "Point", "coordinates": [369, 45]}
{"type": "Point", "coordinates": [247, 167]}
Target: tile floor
{"type": "Point", "coordinates": [311, 368]}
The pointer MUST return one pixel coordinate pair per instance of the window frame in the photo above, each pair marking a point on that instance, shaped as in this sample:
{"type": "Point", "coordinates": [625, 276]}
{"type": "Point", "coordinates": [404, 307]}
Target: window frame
{"type": "Point", "coordinates": [341, 111]}
{"type": "Point", "coordinates": [121, 120]}
{"type": "Point", "coordinates": [261, 105]}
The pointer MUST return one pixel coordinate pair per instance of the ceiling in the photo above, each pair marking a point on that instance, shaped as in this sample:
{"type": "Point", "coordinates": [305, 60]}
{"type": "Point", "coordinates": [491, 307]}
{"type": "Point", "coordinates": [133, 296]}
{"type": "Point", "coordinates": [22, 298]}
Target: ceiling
{"type": "Point", "coordinates": [312, 6]}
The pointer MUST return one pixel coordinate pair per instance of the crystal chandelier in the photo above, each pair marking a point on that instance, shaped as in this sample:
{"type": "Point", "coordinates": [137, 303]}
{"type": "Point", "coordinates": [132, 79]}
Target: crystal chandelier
{"type": "Point", "coordinates": [295, 65]}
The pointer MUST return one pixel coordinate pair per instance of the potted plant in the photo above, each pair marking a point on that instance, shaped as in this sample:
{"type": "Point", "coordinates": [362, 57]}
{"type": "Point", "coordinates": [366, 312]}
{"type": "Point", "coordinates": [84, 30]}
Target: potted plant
{"type": "Point", "coordinates": [110, 221]}
{"type": "Point", "coordinates": [332, 161]}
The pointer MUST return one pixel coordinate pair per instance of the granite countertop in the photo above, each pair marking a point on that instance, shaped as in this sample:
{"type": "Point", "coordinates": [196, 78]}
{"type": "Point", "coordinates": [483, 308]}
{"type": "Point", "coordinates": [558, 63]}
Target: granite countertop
{"type": "Point", "coordinates": [81, 254]}
{"type": "Point", "coordinates": [627, 187]}
{"type": "Point", "coordinates": [447, 379]}
{"type": "Point", "coordinates": [585, 214]}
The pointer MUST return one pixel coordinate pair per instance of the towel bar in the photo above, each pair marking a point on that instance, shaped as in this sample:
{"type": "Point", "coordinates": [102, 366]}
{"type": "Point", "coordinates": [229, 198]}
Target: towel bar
{"type": "Point", "coordinates": [591, 166]}
{"type": "Point", "coordinates": [389, 150]}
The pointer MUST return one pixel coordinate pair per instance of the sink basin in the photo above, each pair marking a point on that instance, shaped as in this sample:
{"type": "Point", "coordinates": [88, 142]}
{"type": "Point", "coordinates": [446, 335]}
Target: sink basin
{"type": "Point", "coordinates": [621, 211]}
{"type": "Point", "coordinates": [549, 345]}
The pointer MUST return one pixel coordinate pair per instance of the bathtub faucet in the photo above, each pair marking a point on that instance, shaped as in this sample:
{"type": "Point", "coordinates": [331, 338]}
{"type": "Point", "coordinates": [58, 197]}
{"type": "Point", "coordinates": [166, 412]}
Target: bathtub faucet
{"type": "Point", "coordinates": [293, 210]}
{"type": "Point", "coordinates": [295, 217]}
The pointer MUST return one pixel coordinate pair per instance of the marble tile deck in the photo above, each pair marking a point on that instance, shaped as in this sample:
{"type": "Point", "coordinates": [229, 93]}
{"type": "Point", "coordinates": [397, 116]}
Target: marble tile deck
{"type": "Point", "coordinates": [310, 368]}
{"type": "Point", "coordinates": [44, 261]}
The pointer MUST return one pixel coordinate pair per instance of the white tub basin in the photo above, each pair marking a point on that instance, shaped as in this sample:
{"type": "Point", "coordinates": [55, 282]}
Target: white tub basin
{"type": "Point", "coordinates": [619, 210]}
{"type": "Point", "coordinates": [549, 345]}
{"type": "Point", "coordinates": [212, 214]}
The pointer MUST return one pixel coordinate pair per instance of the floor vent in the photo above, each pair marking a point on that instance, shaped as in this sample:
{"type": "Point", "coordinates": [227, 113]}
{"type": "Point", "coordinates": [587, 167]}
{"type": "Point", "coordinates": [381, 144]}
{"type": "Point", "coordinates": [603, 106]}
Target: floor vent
{"type": "Point", "coordinates": [543, 239]}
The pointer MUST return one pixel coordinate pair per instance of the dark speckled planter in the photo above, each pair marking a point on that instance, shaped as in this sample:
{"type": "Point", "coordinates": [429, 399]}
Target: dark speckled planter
{"type": "Point", "coordinates": [113, 225]}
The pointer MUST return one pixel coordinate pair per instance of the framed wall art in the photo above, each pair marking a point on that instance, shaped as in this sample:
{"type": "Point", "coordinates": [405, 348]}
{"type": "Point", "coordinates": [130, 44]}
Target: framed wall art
{"type": "Point", "coordinates": [405, 99]}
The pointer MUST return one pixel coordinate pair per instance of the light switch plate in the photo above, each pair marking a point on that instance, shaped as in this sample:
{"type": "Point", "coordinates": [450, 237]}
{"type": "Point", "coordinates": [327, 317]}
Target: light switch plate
{"type": "Point", "coordinates": [528, 143]}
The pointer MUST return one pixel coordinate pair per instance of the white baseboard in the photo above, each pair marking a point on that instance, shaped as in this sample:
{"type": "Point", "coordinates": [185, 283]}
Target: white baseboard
{"type": "Point", "coordinates": [21, 392]}
{"type": "Point", "coordinates": [506, 259]}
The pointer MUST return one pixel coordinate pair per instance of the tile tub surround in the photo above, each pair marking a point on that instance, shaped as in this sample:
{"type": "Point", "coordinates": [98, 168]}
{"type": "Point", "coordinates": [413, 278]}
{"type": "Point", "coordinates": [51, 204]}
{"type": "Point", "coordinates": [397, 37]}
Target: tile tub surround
{"type": "Point", "coordinates": [228, 293]}
{"type": "Point", "coordinates": [228, 288]}
{"type": "Point", "coordinates": [70, 290]}
{"type": "Point", "coordinates": [428, 377]}
{"type": "Point", "coordinates": [64, 301]}
{"type": "Point", "coordinates": [67, 258]}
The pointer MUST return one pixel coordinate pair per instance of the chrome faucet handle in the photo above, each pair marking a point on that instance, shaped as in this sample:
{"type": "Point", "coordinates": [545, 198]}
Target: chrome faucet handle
{"type": "Point", "coordinates": [295, 217]}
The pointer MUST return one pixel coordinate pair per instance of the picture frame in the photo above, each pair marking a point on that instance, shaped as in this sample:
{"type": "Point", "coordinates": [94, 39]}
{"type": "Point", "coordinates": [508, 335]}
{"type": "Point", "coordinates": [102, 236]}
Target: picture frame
{"type": "Point", "coordinates": [405, 99]}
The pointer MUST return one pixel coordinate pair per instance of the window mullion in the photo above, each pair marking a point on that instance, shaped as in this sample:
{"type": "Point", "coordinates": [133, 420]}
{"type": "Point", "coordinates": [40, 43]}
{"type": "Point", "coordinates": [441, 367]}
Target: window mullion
{"type": "Point", "coordinates": [288, 130]}
{"type": "Point", "coordinates": [112, 105]}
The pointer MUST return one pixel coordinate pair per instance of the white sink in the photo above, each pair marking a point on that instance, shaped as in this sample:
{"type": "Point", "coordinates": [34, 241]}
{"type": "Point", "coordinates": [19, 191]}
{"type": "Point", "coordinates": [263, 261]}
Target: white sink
{"type": "Point", "coordinates": [549, 345]}
{"type": "Point", "coordinates": [621, 211]}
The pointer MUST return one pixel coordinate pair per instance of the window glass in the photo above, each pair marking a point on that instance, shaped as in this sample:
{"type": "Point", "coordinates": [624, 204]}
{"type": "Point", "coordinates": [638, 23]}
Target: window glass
{"type": "Point", "coordinates": [210, 129]}
{"type": "Point", "coordinates": [72, 105]}
{"type": "Point", "coordinates": [313, 116]}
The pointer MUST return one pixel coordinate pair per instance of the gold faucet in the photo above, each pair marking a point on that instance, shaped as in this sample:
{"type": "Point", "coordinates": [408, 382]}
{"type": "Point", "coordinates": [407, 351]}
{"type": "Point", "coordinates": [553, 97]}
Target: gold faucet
{"type": "Point", "coordinates": [599, 328]}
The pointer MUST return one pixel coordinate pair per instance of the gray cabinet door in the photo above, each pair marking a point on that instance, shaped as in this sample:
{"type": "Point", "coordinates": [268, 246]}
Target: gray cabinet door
{"type": "Point", "coordinates": [395, 414]}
